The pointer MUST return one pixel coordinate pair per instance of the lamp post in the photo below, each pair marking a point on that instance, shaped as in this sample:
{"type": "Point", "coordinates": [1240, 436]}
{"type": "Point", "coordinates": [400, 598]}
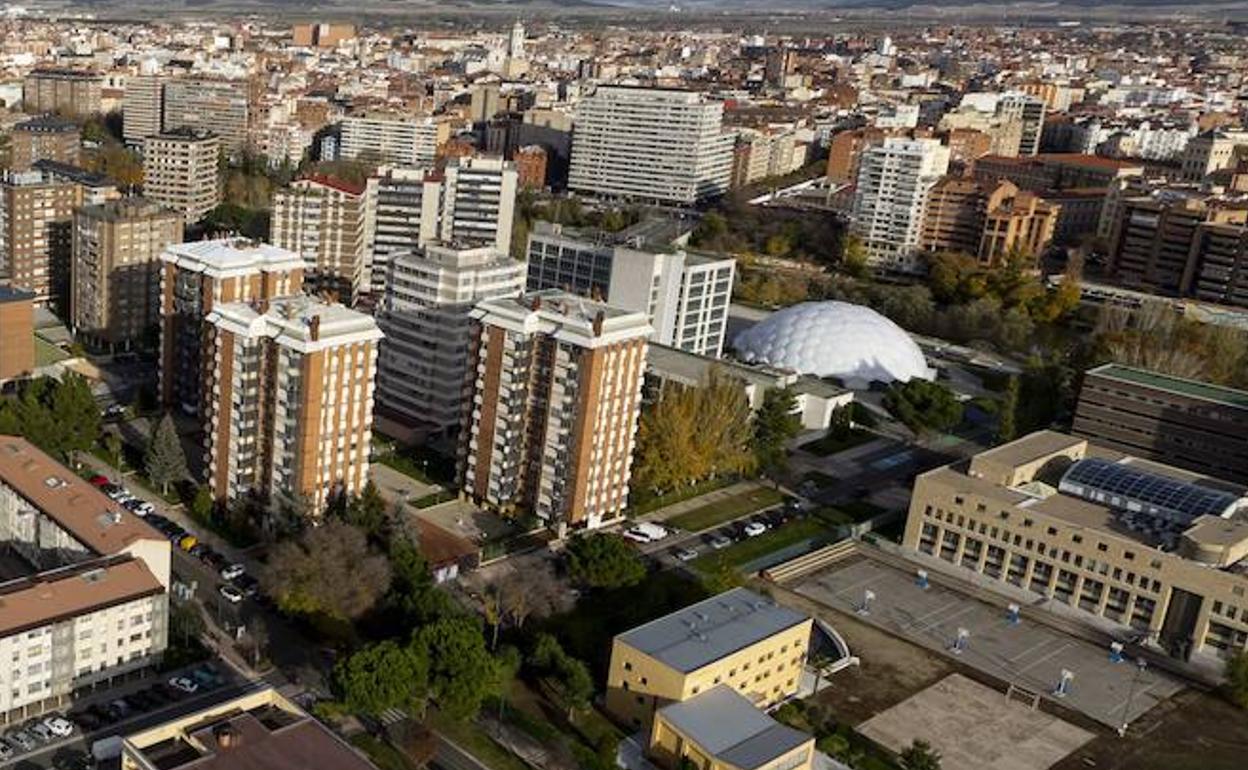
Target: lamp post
{"type": "Point", "coordinates": [1140, 665]}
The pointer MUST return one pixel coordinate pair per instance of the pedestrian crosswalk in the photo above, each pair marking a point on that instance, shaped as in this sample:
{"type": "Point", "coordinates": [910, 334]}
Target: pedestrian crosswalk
{"type": "Point", "coordinates": [391, 716]}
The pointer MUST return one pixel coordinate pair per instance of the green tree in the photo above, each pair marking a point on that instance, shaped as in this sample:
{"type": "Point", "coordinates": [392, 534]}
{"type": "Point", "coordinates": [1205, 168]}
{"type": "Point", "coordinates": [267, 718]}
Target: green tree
{"type": "Point", "coordinates": [113, 447]}
{"type": "Point", "coordinates": [74, 409]}
{"type": "Point", "coordinates": [165, 461]}
{"type": "Point", "coordinates": [603, 560]}
{"type": "Point", "coordinates": [854, 257]}
{"type": "Point", "coordinates": [920, 755]}
{"type": "Point", "coordinates": [1236, 672]}
{"type": "Point", "coordinates": [1007, 422]}
{"type": "Point", "coordinates": [202, 505]}
{"type": "Point", "coordinates": [462, 673]}
{"type": "Point", "coordinates": [923, 405]}
{"type": "Point", "coordinates": [367, 511]}
{"type": "Point", "coordinates": [383, 676]}
{"type": "Point", "coordinates": [775, 423]}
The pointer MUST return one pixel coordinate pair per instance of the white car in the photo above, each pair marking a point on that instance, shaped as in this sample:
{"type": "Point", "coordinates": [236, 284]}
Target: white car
{"type": "Point", "coordinates": [636, 535]}
{"type": "Point", "coordinates": [719, 542]}
{"type": "Point", "coordinates": [686, 554]}
{"type": "Point", "coordinates": [646, 532]}
{"type": "Point", "coordinates": [232, 571]}
{"type": "Point", "coordinates": [755, 528]}
{"type": "Point", "coordinates": [184, 684]}
{"type": "Point", "coordinates": [231, 594]}
{"type": "Point", "coordinates": [59, 726]}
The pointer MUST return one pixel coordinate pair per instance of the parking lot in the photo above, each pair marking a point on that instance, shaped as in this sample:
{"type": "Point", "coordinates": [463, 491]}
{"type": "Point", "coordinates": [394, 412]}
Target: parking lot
{"type": "Point", "coordinates": [679, 546]}
{"type": "Point", "coordinates": [1025, 654]}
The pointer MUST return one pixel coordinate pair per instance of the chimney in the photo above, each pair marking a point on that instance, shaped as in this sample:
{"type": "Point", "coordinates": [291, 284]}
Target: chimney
{"type": "Point", "coordinates": [599, 317]}
{"type": "Point", "coordinates": [537, 303]}
{"type": "Point", "coordinates": [227, 737]}
{"type": "Point", "coordinates": [314, 327]}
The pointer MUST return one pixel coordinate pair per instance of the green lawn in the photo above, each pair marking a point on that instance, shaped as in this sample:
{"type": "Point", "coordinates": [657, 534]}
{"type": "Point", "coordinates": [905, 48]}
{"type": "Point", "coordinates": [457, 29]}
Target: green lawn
{"type": "Point", "coordinates": [726, 509]}
{"type": "Point", "coordinates": [47, 354]}
{"type": "Point", "coordinates": [471, 738]}
{"type": "Point", "coordinates": [435, 498]}
{"type": "Point", "coordinates": [645, 504]}
{"type": "Point", "coordinates": [755, 547]}
{"type": "Point", "coordinates": [830, 445]}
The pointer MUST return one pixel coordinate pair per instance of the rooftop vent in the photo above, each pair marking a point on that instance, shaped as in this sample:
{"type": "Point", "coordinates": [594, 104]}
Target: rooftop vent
{"type": "Point", "coordinates": [227, 737]}
{"type": "Point", "coordinates": [93, 575]}
{"type": "Point", "coordinates": [55, 482]}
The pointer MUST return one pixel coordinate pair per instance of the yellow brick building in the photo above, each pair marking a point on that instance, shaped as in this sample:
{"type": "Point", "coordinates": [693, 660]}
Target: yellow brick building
{"type": "Point", "coordinates": [722, 730]}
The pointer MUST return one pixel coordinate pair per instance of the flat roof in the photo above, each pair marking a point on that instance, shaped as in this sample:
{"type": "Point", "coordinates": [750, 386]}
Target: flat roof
{"type": "Point", "coordinates": [714, 628]}
{"type": "Point", "coordinates": [1203, 391]}
{"type": "Point", "coordinates": [1028, 448]}
{"type": "Point", "coordinates": [77, 507]}
{"type": "Point", "coordinates": [226, 257]}
{"type": "Point", "coordinates": [302, 323]}
{"type": "Point", "coordinates": [37, 601]}
{"type": "Point", "coordinates": [726, 724]}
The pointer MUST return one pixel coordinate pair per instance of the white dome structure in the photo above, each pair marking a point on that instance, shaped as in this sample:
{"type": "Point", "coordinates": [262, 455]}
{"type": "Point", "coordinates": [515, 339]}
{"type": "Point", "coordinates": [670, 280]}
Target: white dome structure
{"type": "Point", "coordinates": [834, 339]}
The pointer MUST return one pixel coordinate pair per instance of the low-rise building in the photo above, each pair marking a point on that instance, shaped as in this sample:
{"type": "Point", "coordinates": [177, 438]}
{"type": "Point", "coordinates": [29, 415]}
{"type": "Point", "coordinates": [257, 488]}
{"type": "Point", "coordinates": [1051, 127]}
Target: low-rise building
{"type": "Point", "coordinates": [723, 730]}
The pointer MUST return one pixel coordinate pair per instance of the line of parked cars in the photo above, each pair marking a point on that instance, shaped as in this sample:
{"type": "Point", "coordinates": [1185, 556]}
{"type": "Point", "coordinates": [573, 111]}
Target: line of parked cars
{"type": "Point", "coordinates": [122, 496]}
{"type": "Point", "coordinates": [199, 679]}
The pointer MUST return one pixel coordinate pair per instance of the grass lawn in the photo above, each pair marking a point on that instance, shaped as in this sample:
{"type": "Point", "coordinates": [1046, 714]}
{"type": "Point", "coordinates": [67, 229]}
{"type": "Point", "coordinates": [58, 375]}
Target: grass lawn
{"type": "Point", "coordinates": [755, 547]}
{"type": "Point", "coordinates": [726, 509]}
{"type": "Point", "coordinates": [435, 498]}
{"type": "Point", "coordinates": [421, 464]}
{"type": "Point", "coordinates": [471, 738]}
{"type": "Point", "coordinates": [47, 354]}
{"type": "Point", "coordinates": [830, 445]}
{"type": "Point", "coordinates": [381, 753]}
{"type": "Point", "coordinates": [648, 504]}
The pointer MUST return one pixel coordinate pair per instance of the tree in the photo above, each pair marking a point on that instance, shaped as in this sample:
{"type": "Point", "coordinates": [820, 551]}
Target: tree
{"type": "Point", "coordinates": [535, 591]}
{"type": "Point", "coordinates": [202, 505]}
{"type": "Point", "coordinates": [854, 257]}
{"type": "Point", "coordinates": [462, 673]}
{"type": "Point", "coordinates": [923, 405]}
{"type": "Point", "coordinates": [1007, 427]}
{"type": "Point", "coordinates": [1236, 672]}
{"type": "Point", "coordinates": [329, 570]}
{"type": "Point", "coordinates": [775, 423]}
{"type": "Point", "coordinates": [383, 676]}
{"type": "Point", "coordinates": [165, 461]}
{"type": "Point", "coordinates": [113, 446]}
{"type": "Point", "coordinates": [77, 413]}
{"type": "Point", "coordinates": [368, 512]}
{"type": "Point", "coordinates": [603, 560]}
{"type": "Point", "coordinates": [920, 755]}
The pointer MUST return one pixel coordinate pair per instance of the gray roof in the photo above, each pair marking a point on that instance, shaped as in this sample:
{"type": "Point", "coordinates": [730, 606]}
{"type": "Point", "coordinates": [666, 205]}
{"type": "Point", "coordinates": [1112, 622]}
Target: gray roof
{"type": "Point", "coordinates": [726, 724]}
{"type": "Point", "coordinates": [702, 633]}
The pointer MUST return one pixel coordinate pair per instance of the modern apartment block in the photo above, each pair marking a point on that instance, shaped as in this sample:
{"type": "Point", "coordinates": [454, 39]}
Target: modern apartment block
{"type": "Point", "coordinates": [195, 277]}
{"type": "Point", "coordinates": [1029, 111]}
{"type": "Point", "coordinates": [323, 219]}
{"type": "Point", "coordinates": [59, 91]}
{"type": "Point", "coordinates": [478, 202]}
{"type": "Point", "coordinates": [556, 396]}
{"type": "Point", "coordinates": [1150, 547]}
{"type": "Point", "coordinates": [222, 107]}
{"type": "Point", "coordinates": [1016, 221]}
{"type": "Point", "coordinates": [17, 333]}
{"type": "Point", "coordinates": [88, 598]}
{"type": "Point", "coordinates": [401, 141]}
{"type": "Point", "coordinates": [114, 296]}
{"type": "Point", "coordinates": [1187, 423]}
{"type": "Point", "coordinates": [738, 638]}
{"type": "Point", "coordinates": [651, 144]}
{"type": "Point", "coordinates": [180, 171]}
{"type": "Point", "coordinates": [43, 138]}
{"type": "Point", "coordinates": [36, 233]}
{"type": "Point", "coordinates": [288, 386]}
{"type": "Point", "coordinates": [143, 108]}
{"type": "Point", "coordinates": [685, 295]}
{"type": "Point", "coordinates": [890, 201]}
{"type": "Point", "coordinates": [259, 730]}
{"type": "Point", "coordinates": [422, 380]}
{"type": "Point", "coordinates": [96, 188]}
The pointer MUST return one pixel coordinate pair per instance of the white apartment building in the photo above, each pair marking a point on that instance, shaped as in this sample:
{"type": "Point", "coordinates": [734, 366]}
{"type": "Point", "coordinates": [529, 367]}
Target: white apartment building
{"type": "Point", "coordinates": [556, 398]}
{"type": "Point", "coordinates": [685, 296]}
{"type": "Point", "coordinates": [478, 201]}
{"type": "Point", "coordinates": [422, 381]}
{"type": "Point", "coordinates": [92, 604]}
{"type": "Point", "coordinates": [1029, 111]}
{"type": "Point", "coordinates": [289, 400]}
{"type": "Point", "coordinates": [323, 220]}
{"type": "Point", "coordinates": [405, 142]}
{"type": "Point", "coordinates": [180, 171]}
{"type": "Point", "coordinates": [143, 108]}
{"type": "Point", "coordinates": [223, 107]}
{"type": "Point", "coordinates": [891, 197]}
{"type": "Point", "coordinates": [650, 144]}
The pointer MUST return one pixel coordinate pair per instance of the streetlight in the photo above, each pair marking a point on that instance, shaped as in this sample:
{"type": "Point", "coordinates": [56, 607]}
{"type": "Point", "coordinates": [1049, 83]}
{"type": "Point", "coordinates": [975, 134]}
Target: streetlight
{"type": "Point", "coordinates": [1140, 665]}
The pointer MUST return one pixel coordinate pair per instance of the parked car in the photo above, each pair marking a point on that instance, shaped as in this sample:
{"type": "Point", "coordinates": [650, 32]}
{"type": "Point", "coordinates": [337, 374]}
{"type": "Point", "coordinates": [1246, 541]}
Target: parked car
{"type": "Point", "coordinates": [188, 542]}
{"type": "Point", "coordinates": [98, 480]}
{"type": "Point", "coordinates": [115, 410]}
{"type": "Point", "coordinates": [86, 720]}
{"type": "Point", "coordinates": [60, 726]}
{"type": "Point", "coordinates": [184, 684]}
{"type": "Point", "coordinates": [141, 701]}
{"type": "Point", "coordinates": [120, 709]}
{"type": "Point", "coordinates": [754, 528]}
{"type": "Point", "coordinates": [23, 740]}
{"type": "Point", "coordinates": [103, 713]}
{"type": "Point", "coordinates": [215, 560]}
{"type": "Point", "coordinates": [686, 554]}
{"type": "Point", "coordinates": [207, 675]}
{"type": "Point", "coordinates": [6, 750]}
{"type": "Point", "coordinates": [230, 593]}
{"type": "Point", "coordinates": [233, 571]}
{"type": "Point", "coordinates": [719, 542]}
{"type": "Point", "coordinates": [645, 532]}
{"type": "Point", "coordinates": [42, 732]}
{"type": "Point", "coordinates": [248, 585]}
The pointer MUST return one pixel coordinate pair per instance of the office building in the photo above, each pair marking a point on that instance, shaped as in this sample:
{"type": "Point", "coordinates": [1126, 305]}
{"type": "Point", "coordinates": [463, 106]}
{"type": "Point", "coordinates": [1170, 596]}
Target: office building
{"type": "Point", "coordinates": [180, 171]}
{"type": "Point", "coordinates": [88, 600]}
{"type": "Point", "coordinates": [222, 107]}
{"type": "Point", "coordinates": [143, 108]}
{"type": "Point", "coordinates": [258, 730]}
{"type": "Point", "coordinates": [43, 138]}
{"type": "Point", "coordinates": [1156, 550]}
{"type": "Point", "coordinates": [1182, 422]}
{"type": "Point", "coordinates": [68, 92]}
{"type": "Point", "coordinates": [737, 640]}
{"type": "Point", "coordinates": [721, 729]}
{"type": "Point", "coordinates": [423, 381]}
{"type": "Point", "coordinates": [323, 219]}
{"type": "Point", "coordinates": [288, 386]}
{"type": "Point", "coordinates": [195, 277]}
{"type": "Point", "coordinates": [36, 234]}
{"type": "Point", "coordinates": [556, 396]}
{"type": "Point", "coordinates": [17, 333]}
{"type": "Point", "coordinates": [115, 280]}
{"type": "Point", "coordinates": [890, 201]}
{"type": "Point", "coordinates": [651, 145]}
{"type": "Point", "coordinates": [685, 295]}
{"type": "Point", "coordinates": [401, 141]}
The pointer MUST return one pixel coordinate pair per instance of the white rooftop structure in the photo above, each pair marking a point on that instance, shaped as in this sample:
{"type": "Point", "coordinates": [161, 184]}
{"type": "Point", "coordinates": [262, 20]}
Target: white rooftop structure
{"type": "Point", "coordinates": [227, 257]}
{"type": "Point", "coordinates": [300, 323]}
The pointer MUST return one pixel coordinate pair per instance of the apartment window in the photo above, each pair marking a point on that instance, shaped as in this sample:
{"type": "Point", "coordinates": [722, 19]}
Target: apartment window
{"type": "Point", "coordinates": [1102, 547]}
{"type": "Point", "coordinates": [1128, 555]}
{"type": "Point", "coordinates": [628, 666]}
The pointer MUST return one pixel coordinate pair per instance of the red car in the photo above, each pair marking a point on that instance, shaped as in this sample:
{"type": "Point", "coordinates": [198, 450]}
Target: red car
{"type": "Point", "coordinates": [98, 480]}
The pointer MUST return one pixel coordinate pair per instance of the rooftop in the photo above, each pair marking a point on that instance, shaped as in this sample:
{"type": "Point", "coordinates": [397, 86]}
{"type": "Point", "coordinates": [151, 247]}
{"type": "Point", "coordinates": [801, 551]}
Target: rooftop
{"type": "Point", "coordinates": [127, 209]}
{"type": "Point", "coordinates": [227, 257]}
{"type": "Point", "coordinates": [1215, 394]}
{"type": "Point", "coordinates": [703, 633]}
{"type": "Point", "coordinates": [47, 124]}
{"type": "Point", "coordinates": [82, 176]}
{"type": "Point", "coordinates": [15, 294]}
{"type": "Point", "coordinates": [42, 599]}
{"type": "Point", "coordinates": [726, 724]}
{"type": "Point", "coordinates": [302, 323]}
